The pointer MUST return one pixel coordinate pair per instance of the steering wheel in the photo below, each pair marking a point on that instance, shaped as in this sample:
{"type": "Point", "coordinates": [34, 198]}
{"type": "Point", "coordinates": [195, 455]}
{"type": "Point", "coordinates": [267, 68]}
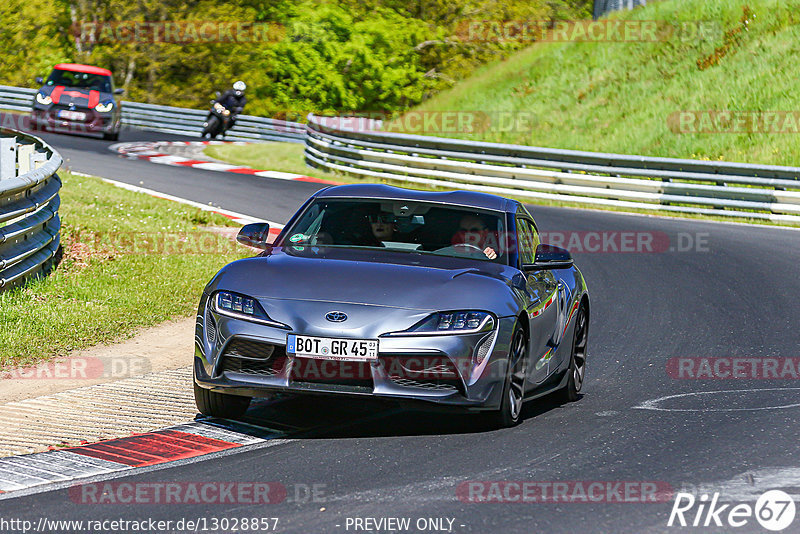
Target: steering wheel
{"type": "Point", "coordinates": [464, 248]}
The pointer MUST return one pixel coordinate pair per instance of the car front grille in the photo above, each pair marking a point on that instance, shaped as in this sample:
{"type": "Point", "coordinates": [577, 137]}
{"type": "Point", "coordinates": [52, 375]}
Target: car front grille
{"type": "Point", "coordinates": [351, 374]}
{"type": "Point", "coordinates": [435, 373]}
{"type": "Point", "coordinates": [433, 385]}
{"type": "Point", "coordinates": [250, 357]}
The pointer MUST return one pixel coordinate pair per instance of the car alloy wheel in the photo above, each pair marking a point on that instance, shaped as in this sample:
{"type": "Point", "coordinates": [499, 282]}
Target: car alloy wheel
{"type": "Point", "coordinates": [577, 365]}
{"type": "Point", "coordinates": [514, 388]}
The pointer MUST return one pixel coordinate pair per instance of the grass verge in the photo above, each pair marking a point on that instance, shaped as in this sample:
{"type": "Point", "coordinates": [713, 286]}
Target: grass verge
{"type": "Point", "coordinates": [628, 97]}
{"type": "Point", "coordinates": [130, 261]}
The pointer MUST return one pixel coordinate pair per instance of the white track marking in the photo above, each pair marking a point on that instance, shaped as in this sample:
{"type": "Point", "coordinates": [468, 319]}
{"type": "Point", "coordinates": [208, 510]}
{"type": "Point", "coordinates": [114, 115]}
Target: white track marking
{"type": "Point", "coordinates": [653, 403]}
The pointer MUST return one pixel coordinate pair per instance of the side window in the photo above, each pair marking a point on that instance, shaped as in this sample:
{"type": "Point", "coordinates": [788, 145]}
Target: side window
{"type": "Point", "coordinates": [527, 241]}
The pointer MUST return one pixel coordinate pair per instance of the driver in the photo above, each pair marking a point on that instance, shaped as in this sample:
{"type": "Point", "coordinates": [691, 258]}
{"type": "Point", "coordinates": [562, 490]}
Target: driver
{"type": "Point", "coordinates": [472, 231]}
{"type": "Point", "coordinates": [382, 226]}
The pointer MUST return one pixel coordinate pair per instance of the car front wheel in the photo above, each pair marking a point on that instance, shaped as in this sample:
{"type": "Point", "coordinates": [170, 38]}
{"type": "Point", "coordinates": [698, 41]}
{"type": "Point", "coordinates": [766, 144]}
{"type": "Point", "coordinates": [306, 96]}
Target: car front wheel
{"type": "Point", "coordinates": [510, 411]}
{"type": "Point", "coordinates": [215, 404]}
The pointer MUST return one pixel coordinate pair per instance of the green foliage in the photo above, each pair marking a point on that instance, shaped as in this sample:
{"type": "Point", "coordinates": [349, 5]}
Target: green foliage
{"type": "Point", "coordinates": [624, 96]}
{"type": "Point", "coordinates": [32, 39]}
{"type": "Point", "coordinates": [333, 56]}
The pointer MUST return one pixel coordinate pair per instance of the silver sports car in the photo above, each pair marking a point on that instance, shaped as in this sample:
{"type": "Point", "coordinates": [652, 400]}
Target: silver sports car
{"type": "Point", "coordinates": [446, 298]}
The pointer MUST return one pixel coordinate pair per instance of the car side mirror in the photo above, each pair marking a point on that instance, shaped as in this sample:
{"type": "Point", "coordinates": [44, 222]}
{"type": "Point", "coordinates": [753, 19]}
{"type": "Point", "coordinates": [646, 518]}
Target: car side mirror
{"type": "Point", "coordinates": [550, 257]}
{"type": "Point", "coordinates": [254, 235]}
{"type": "Point", "coordinates": [39, 80]}
{"type": "Point", "coordinates": [119, 91]}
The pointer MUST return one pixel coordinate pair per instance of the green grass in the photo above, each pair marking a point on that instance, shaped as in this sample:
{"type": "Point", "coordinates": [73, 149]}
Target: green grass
{"type": "Point", "coordinates": [619, 96]}
{"type": "Point", "coordinates": [127, 265]}
{"type": "Point", "coordinates": [283, 157]}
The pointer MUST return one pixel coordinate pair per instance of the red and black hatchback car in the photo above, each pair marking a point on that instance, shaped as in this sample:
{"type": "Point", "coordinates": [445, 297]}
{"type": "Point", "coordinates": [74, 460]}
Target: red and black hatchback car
{"type": "Point", "coordinates": [78, 98]}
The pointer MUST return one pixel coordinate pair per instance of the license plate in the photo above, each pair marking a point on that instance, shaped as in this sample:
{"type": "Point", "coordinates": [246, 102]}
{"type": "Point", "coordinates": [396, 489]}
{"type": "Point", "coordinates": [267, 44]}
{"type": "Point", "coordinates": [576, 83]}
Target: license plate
{"type": "Point", "coordinates": [71, 115]}
{"type": "Point", "coordinates": [327, 348]}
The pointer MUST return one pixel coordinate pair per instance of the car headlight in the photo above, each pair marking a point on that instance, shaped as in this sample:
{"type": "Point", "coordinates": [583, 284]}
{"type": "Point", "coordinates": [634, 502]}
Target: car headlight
{"type": "Point", "coordinates": [452, 322]}
{"type": "Point", "coordinates": [242, 307]}
{"type": "Point", "coordinates": [43, 99]}
{"type": "Point", "coordinates": [104, 108]}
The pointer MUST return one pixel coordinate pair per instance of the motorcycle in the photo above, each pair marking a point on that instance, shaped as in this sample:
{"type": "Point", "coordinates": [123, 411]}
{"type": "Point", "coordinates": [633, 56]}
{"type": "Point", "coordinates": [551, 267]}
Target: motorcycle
{"type": "Point", "coordinates": [218, 120]}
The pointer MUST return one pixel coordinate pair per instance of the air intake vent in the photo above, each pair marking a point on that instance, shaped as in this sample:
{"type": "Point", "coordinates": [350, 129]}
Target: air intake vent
{"type": "Point", "coordinates": [211, 327]}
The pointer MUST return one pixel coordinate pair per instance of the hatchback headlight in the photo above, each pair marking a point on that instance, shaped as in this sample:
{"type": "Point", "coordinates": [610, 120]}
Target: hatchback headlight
{"type": "Point", "coordinates": [44, 100]}
{"type": "Point", "coordinates": [242, 307]}
{"type": "Point", "coordinates": [104, 108]}
{"type": "Point", "coordinates": [453, 322]}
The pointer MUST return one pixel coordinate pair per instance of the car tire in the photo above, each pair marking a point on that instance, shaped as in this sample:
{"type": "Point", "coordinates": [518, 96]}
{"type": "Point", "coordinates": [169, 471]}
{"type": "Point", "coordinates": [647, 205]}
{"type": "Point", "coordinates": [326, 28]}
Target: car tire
{"type": "Point", "coordinates": [220, 405]}
{"type": "Point", "coordinates": [577, 361]}
{"type": "Point", "coordinates": [510, 412]}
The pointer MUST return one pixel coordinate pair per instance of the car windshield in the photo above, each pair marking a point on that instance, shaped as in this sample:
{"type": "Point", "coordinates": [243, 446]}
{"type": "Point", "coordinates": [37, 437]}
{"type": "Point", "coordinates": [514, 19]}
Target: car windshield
{"type": "Point", "coordinates": [414, 227]}
{"type": "Point", "coordinates": [69, 78]}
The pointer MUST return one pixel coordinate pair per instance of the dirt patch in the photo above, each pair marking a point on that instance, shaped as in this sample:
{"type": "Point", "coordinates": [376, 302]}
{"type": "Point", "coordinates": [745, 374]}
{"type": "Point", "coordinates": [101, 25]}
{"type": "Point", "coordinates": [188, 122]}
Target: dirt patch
{"type": "Point", "coordinates": [169, 345]}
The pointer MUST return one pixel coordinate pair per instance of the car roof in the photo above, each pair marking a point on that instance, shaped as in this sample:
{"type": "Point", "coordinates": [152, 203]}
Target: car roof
{"type": "Point", "coordinates": [459, 198]}
{"type": "Point", "coordinates": [88, 69]}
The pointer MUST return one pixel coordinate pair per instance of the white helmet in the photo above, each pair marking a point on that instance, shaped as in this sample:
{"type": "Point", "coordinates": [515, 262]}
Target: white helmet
{"type": "Point", "coordinates": [239, 86]}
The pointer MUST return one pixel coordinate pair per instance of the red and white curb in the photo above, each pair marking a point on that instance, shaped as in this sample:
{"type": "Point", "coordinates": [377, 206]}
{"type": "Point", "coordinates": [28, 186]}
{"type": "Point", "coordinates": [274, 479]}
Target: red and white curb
{"type": "Point", "coordinates": [153, 152]}
{"type": "Point", "coordinates": [104, 458]}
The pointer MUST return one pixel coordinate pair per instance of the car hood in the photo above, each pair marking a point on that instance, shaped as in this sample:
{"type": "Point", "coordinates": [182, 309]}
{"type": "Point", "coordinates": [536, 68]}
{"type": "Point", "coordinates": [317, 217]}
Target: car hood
{"type": "Point", "coordinates": [374, 278]}
{"type": "Point", "coordinates": [75, 96]}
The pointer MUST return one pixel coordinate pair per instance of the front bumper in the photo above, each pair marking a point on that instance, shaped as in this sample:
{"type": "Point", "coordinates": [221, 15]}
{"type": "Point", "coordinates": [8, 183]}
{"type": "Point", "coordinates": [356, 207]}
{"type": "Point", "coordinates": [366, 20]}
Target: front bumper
{"type": "Point", "coordinates": [437, 370]}
{"type": "Point", "coordinates": [94, 122]}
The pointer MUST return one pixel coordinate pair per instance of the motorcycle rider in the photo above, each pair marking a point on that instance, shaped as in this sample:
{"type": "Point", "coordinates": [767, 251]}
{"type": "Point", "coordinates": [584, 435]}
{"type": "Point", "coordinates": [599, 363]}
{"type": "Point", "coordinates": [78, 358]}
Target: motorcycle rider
{"type": "Point", "coordinates": [234, 100]}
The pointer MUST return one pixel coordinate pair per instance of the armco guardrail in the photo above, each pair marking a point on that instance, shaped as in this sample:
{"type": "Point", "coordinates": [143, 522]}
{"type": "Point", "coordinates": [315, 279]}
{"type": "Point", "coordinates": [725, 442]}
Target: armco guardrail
{"type": "Point", "coordinates": [170, 119]}
{"type": "Point", "coordinates": [676, 185]}
{"type": "Point", "coordinates": [29, 201]}
{"type": "Point", "coordinates": [603, 7]}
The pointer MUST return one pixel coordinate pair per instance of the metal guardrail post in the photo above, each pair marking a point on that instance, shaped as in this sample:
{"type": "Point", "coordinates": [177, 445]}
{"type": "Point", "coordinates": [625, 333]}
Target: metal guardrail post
{"type": "Point", "coordinates": [8, 157]}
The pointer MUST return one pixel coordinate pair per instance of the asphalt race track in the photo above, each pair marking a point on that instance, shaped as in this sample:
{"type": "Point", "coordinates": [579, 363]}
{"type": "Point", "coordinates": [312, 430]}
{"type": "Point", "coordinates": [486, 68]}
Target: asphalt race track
{"type": "Point", "coordinates": [733, 294]}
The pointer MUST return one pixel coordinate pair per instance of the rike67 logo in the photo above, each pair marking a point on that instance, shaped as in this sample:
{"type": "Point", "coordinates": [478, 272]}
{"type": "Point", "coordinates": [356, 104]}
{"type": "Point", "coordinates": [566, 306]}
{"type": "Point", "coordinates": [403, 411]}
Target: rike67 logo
{"type": "Point", "coordinates": [774, 510]}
